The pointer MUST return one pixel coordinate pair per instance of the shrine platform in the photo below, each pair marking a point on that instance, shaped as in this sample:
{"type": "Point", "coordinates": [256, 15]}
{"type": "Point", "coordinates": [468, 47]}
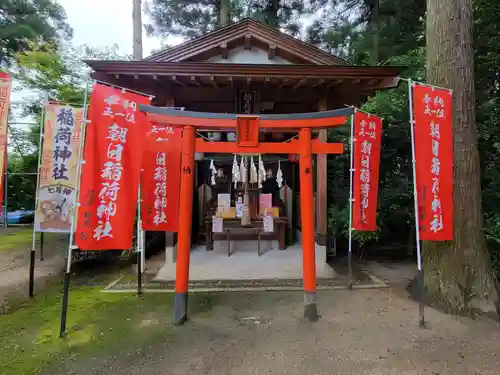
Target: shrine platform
{"type": "Point", "coordinates": [245, 264]}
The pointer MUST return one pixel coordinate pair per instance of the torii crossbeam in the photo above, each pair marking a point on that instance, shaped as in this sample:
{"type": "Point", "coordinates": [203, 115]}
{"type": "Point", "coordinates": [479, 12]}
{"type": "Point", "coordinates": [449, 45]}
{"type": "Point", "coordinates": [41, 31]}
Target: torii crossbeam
{"type": "Point", "coordinates": [247, 128]}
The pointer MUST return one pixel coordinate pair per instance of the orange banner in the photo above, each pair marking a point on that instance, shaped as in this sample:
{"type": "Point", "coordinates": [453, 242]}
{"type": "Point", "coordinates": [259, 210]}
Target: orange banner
{"type": "Point", "coordinates": [114, 144]}
{"type": "Point", "coordinates": [5, 89]}
{"type": "Point", "coordinates": [161, 179]}
{"type": "Point", "coordinates": [58, 170]}
{"type": "Point", "coordinates": [367, 142]}
{"type": "Point", "coordinates": [433, 115]}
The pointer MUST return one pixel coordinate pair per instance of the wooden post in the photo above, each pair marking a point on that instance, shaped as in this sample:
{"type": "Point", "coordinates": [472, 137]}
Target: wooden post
{"type": "Point", "coordinates": [185, 221]}
{"type": "Point", "coordinates": [307, 214]}
{"type": "Point", "coordinates": [321, 189]}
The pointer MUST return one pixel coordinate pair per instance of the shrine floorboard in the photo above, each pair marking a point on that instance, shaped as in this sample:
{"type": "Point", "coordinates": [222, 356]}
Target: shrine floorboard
{"type": "Point", "coordinates": [245, 264]}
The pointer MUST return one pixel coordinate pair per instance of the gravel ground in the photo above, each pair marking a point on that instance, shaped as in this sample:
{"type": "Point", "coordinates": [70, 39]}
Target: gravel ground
{"type": "Point", "coordinates": [360, 332]}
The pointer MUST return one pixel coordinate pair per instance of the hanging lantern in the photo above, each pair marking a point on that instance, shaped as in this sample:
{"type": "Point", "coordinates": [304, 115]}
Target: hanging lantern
{"type": "Point", "coordinates": [231, 137]}
{"type": "Point", "coordinates": [293, 158]}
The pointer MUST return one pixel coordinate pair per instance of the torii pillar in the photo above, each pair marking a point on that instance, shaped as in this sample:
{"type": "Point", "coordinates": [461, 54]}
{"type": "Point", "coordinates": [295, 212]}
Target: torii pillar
{"type": "Point", "coordinates": [185, 222]}
{"type": "Point", "coordinates": [307, 211]}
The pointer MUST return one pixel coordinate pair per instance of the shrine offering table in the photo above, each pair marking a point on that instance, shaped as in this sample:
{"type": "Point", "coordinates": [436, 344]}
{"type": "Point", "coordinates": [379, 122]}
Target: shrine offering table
{"type": "Point", "coordinates": [232, 229]}
{"type": "Point", "coordinates": [242, 230]}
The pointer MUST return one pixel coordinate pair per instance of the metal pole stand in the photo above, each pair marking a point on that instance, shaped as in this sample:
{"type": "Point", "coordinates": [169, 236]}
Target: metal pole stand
{"type": "Point", "coordinates": [420, 277]}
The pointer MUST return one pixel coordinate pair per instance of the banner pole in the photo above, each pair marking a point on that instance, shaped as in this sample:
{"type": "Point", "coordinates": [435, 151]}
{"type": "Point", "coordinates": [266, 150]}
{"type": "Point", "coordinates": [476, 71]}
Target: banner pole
{"type": "Point", "coordinates": [83, 131]}
{"type": "Point", "coordinates": [143, 249]}
{"type": "Point", "coordinates": [141, 231]}
{"type": "Point", "coordinates": [41, 247]}
{"type": "Point", "coordinates": [420, 275]}
{"type": "Point", "coordinates": [351, 172]}
{"type": "Point", "coordinates": [139, 243]}
{"type": "Point", "coordinates": [6, 177]}
{"type": "Point", "coordinates": [33, 239]}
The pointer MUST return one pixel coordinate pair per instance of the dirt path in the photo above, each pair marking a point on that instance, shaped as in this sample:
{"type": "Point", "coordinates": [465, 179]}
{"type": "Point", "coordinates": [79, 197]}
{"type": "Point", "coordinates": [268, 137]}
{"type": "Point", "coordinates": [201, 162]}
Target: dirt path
{"type": "Point", "coordinates": [360, 332]}
{"type": "Point", "coordinates": [14, 263]}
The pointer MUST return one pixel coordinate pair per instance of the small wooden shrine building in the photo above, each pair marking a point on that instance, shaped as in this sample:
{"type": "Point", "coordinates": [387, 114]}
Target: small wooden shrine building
{"type": "Point", "coordinates": [247, 67]}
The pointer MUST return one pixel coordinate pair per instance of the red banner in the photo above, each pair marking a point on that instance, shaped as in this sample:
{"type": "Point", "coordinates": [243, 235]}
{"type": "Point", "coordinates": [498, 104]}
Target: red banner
{"type": "Point", "coordinates": [367, 141]}
{"type": "Point", "coordinates": [114, 144]}
{"type": "Point", "coordinates": [5, 88]}
{"type": "Point", "coordinates": [432, 114]}
{"type": "Point", "coordinates": [160, 182]}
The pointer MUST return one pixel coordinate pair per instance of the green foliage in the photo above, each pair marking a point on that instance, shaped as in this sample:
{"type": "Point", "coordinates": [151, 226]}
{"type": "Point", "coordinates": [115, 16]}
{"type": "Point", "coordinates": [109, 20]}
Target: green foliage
{"type": "Point", "coordinates": [285, 14]}
{"type": "Point", "coordinates": [395, 211]}
{"type": "Point", "coordinates": [21, 187]}
{"type": "Point", "coordinates": [43, 70]}
{"type": "Point", "coordinates": [26, 21]}
{"type": "Point", "coordinates": [58, 74]}
{"type": "Point", "coordinates": [53, 73]}
{"type": "Point", "coordinates": [492, 231]}
{"type": "Point", "coordinates": [487, 65]}
{"type": "Point", "coordinates": [184, 18]}
{"type": "Point", "coordinates": [346, 28]}
{"type": "Point", "coordinates": [338, 224]}
{"type": "Point", "coordinates": [193, 18]}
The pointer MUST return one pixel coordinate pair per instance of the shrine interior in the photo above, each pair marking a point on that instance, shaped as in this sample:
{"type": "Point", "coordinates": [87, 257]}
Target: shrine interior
{"type": "Point", "coordinates": [249, 68]}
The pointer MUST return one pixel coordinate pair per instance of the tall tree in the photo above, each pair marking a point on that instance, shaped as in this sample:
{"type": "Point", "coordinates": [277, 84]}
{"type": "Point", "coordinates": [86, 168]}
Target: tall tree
{"type": "Point", "coordinates": [137, 29]}
{"type": "Point", "coordinates": [25, 21]}
{"type": "Point", "coordinates": [191, 18]}
{"type": "Point", "coordinates": [224, 12]}
{"type": "Point", "coordinates": [374, 22]}
{"type": "Point", "coordinates": [186, 18]}
{"type": "Point", "coordinates": [369, 31]}
{"type": "Point", "coordinates": [285, 14]}
{"type": "Point", "coordinates": [458, 270]}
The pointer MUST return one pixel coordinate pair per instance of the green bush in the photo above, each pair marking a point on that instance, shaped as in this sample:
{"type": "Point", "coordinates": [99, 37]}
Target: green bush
{"type": "Point", "coordinates": [338, 224]}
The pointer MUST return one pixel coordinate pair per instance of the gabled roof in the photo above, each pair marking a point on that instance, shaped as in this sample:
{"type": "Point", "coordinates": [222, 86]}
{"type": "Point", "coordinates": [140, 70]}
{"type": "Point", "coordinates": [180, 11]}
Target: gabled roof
{"type": "Point", "coordinates": [242, 33]}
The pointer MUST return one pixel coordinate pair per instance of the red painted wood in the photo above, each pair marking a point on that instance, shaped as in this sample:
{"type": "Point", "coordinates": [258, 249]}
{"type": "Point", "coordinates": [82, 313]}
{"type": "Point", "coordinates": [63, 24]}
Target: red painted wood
{"type": "Point", "coordinates": [267, 147]}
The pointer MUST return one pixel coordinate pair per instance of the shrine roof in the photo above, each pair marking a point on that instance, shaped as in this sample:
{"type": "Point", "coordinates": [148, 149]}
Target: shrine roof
{"type": "Point", "coordinates": [210, 69]}
{"type": "Point", "coordinates": [214, 74]}
{"type": "Point", "coordinates": [245, 53]}
{"type": "Point", "coordinates": [246, 33]}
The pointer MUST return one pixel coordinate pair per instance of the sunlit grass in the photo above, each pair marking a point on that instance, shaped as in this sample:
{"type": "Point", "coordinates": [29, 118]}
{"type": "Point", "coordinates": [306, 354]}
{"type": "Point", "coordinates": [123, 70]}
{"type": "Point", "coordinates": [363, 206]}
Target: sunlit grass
{"type": "Point", "coordinates": [15, 240]}
{"type": "Point", "coordinates": [98, 324]}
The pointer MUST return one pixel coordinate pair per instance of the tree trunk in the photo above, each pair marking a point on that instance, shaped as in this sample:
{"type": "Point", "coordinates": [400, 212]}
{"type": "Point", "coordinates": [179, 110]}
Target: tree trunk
{"type": "Point", "coordinates": [457, 271]}
{"type": "Point", "coordinates": [375, 29]}
{"type": "Point", "coordinates": [224, 12]}
{"type": "Point", "coordinates": [271, 13]}
{"type": "Point", "coordinates": [137, 29]}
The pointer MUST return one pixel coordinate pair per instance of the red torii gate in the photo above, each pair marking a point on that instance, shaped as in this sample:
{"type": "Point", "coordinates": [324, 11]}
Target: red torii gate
{"type": "Point", "coordinates": [247, 128]}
